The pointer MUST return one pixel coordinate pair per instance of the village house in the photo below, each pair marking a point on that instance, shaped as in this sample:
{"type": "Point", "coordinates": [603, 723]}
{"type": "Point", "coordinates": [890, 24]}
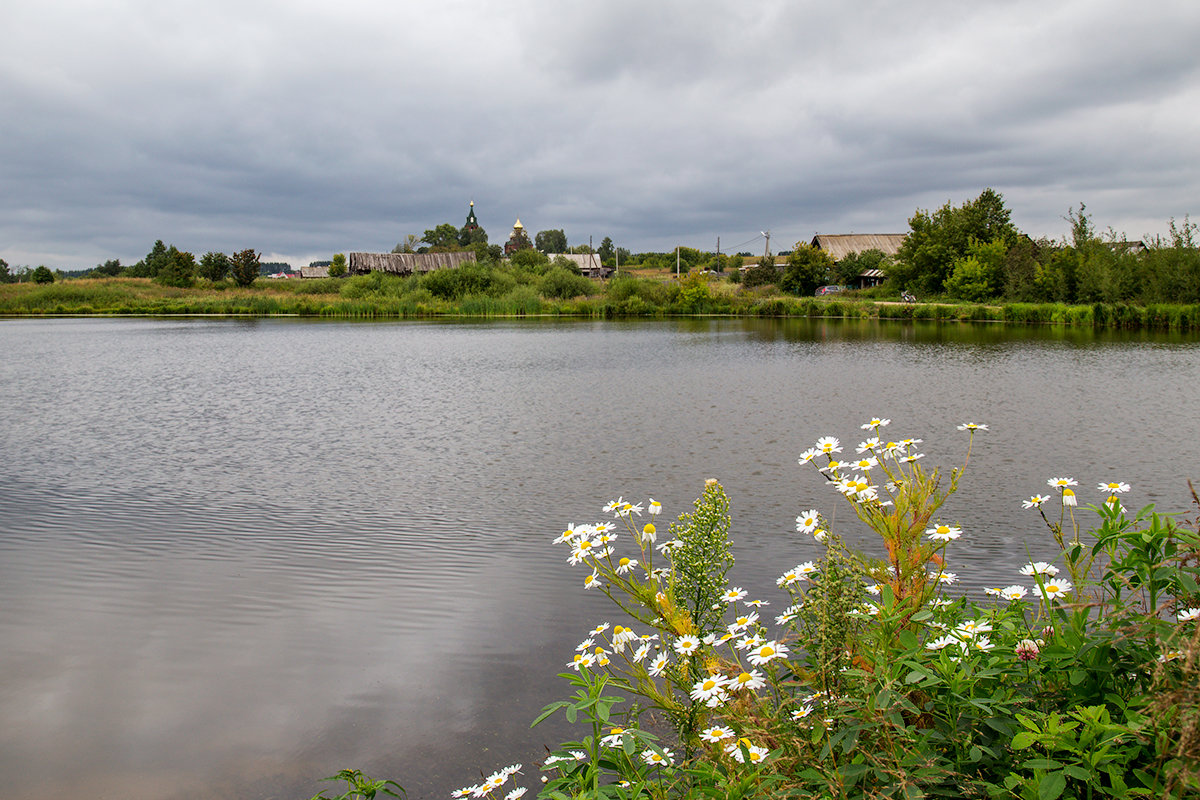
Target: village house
{"type": "Point", "coordinates": [840, 245]}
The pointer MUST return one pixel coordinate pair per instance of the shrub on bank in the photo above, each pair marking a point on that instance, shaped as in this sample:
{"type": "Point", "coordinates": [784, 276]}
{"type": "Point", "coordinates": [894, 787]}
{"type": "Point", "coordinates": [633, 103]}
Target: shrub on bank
{"type": "Point", "coordinates": [1077, 677]}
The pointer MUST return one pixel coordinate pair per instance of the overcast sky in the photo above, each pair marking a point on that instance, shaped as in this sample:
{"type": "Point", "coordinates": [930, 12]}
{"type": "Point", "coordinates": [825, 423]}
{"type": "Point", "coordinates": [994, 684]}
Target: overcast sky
{"type": "Point", "coordinates": [302, 128]}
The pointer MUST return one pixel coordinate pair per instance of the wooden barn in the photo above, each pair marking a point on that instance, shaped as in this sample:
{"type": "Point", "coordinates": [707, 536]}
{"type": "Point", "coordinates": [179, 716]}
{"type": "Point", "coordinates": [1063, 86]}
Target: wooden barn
{"type": "Point", "coordinates": [588, 263]}
{"type": "Point", "coordinates": [405, 263]}
{"type": "Point", "coordinates": [840, 245]}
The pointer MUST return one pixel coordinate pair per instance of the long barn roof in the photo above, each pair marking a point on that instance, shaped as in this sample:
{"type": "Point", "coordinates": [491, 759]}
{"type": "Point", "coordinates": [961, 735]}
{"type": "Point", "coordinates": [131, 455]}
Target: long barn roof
{"type": "Point", "coordinates": [405, 263]}
{"type": "Point", "coordinates": [840, 245]}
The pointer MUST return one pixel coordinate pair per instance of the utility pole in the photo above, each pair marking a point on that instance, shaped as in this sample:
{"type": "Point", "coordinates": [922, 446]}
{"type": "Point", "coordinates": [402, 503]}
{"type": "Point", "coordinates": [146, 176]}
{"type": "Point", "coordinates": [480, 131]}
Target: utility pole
{"type": "Point", "coordinates": [677, 262]}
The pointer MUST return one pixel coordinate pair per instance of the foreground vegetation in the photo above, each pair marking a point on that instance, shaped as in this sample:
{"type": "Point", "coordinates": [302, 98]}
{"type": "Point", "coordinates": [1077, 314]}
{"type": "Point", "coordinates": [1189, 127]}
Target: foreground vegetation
{"type": "Point", "coordinates": [879, 679]}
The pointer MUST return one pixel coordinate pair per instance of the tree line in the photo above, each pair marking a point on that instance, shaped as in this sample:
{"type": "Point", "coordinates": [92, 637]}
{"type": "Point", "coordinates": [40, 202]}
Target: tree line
{"type": "Point", "coordinates": [446, 238]}
{"type": "Point", "coordinates": [970, 252]}
{"type": "Point", "coordinates": [973, 252]}
{"type": "Point", "coordinates": [170, 266]}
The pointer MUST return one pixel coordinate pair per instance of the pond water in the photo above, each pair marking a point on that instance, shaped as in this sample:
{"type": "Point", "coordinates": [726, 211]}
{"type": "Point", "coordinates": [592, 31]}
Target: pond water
{"type": "Point", "coordinates": [238, 556]}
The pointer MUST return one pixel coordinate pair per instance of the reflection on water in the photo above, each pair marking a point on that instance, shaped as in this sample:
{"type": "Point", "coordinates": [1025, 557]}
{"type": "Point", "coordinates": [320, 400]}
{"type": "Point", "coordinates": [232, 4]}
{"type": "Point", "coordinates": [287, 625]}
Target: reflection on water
{"type": "Point", "coordinates": [238, 556]}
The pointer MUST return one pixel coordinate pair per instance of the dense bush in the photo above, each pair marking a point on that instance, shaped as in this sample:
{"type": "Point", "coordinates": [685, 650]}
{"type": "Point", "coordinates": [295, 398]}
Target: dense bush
{"type": "Point", "coordinates": [563, 284]}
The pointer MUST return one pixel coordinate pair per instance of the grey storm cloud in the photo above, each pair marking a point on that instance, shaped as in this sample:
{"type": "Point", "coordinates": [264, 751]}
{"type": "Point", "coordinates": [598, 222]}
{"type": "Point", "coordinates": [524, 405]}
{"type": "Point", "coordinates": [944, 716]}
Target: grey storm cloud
{"type": "Point", "coordinates": [305, 128]}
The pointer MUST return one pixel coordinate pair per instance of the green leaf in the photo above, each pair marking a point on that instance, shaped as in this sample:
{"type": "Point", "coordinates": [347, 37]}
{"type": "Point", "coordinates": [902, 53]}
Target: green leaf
{"type": "Point", "coordinates": [1022, 740]}
{"type": "Point", "coordinates": [1078, 772]}
{"type": "Point", "coordinates": [548, 710]}
{"type": "Point", "coordinates": [1040, 763]}
{"type": "Point", "coordinates": [1052, 786]}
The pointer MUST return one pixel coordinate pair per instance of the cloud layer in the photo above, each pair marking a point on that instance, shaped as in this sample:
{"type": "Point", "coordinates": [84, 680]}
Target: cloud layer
{"type": "Point", "coordinates": [306, 128]}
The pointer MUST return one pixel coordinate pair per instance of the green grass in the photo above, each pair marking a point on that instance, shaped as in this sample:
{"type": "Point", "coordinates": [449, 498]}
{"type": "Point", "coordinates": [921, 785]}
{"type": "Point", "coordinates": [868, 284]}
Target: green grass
{"type": "Point", "coordinates": [380, 296]}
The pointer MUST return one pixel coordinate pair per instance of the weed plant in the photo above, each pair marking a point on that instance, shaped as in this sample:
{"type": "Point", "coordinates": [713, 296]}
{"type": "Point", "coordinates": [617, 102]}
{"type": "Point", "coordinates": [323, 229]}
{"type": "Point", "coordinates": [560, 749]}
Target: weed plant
{"type": "Point", "coordinates": [878, 679]}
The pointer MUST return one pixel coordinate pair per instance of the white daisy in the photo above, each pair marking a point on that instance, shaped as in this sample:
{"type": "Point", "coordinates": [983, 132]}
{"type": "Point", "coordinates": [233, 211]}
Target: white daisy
{"type": "Point", "coordinates": [686, 645]}
{"type": "Point", "coordinates": [944, 533]}
{"type": "Point", "coordinates": [828, 445]}
{"type": "Point", "coordinates": [767, 652]}
{"type": "Point", "coordinates": [708, 688]}
{"type": "Point", "coordinates": [754, 754]}
{"type": "Point", "coordinates": [1052, 589]}
{"type": "Point", "coordinates": [808, 521]}
{"type": "Point", "coordinates": [868, 446]}
{"type": "Point", "coordinates": [733, 594]}
{"type": "Point", "coordinates": [656, 759]}
{"type": "Point", "coordinates": [747, 680]}
{"type": "Point", "coordinates": [716, 733]}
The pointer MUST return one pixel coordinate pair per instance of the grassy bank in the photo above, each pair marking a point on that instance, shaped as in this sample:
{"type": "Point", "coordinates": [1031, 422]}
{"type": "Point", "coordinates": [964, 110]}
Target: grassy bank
{"type": "Point", "coordinates": [382, 296]}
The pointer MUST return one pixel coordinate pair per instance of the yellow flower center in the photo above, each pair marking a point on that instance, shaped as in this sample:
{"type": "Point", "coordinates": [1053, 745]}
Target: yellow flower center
{"type": "Point", "coordinates": [767, 651]}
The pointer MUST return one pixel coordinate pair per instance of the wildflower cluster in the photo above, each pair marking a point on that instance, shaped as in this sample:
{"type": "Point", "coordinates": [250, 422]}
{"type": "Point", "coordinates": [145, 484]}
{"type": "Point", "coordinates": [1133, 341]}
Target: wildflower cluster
{"type": "Point", "coordinates": [493, 783]}
{"type": "Point", "coordinates": [871, 676]}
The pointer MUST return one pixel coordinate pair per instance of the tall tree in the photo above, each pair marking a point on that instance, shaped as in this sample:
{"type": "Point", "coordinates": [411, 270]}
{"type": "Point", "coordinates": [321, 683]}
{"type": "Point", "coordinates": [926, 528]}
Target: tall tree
{"type": "Point", "coordinates": [337, 265]}
{"type": "Point", "coordinates": [469, 236]}
{"type": "Point", "coordinates": [213, 266]}
{"type": "Point", "coordinates": [109, 268]}
{"type": "Point", "coordinates": [243, 267]}
{"type": "Point", "coordinates": [177, 269]}
{"type": "Point", "coordinates": [5, 275]}
{"type": "Point", "coordinates": [807, 268]}
{"type": "Point", "coordinates": [443, 238]}
{"type": "Point", "coordinates": [607, 252]}
{"type": "Point", "coordinates": [936, 241]}
{"type": "Point", "coordinates": [551, 241]}
{"type": "Point", "coordinates": [149, 266]}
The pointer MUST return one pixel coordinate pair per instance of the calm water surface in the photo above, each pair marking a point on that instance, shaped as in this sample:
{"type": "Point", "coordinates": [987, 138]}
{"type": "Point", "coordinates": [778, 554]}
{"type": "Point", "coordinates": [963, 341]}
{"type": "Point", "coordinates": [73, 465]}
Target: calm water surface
{"type": "Point", "coordinates": [237, 556]}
